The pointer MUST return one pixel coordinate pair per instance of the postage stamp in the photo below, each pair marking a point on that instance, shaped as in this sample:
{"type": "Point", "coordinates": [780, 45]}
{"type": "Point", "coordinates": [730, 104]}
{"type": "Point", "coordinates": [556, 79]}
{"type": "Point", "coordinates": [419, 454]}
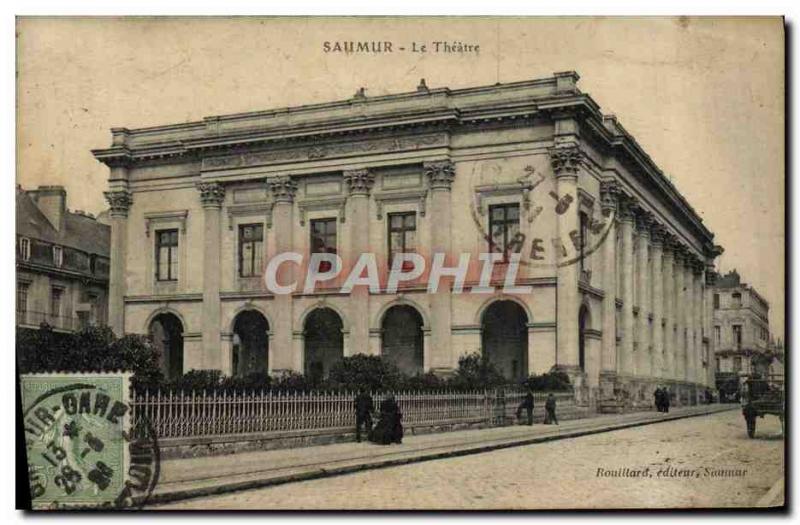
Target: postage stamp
{"type": "Point", "coordinates": [83, 449]}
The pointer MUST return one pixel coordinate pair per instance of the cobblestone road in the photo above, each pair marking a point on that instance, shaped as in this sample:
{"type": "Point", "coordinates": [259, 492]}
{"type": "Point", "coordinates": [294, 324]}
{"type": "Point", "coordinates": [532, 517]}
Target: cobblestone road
{"type": "Point", "coordinates": [697, 462]}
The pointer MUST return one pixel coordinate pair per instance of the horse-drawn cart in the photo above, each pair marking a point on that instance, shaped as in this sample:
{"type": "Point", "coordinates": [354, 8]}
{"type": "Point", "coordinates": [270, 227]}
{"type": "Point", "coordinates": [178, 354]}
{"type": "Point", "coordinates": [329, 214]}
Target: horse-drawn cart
{"type": "Point", "coordinates": [762, 396]}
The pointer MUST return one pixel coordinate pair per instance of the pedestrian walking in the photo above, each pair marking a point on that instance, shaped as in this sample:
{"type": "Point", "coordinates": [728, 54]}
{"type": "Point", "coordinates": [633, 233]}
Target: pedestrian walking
{"type": "Point", "coordinates": [665, 400]}
{"type": "Point", "coordinates": [364, 406]}
{"type": "Point", "coordinates": [527, 405]}
{"type": "Point", "coordinates": [550, 410]}
{"type": "Point", "coordinates": [658, 399]}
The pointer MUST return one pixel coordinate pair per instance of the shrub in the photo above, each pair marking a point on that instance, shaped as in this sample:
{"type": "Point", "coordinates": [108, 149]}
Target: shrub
{"type": "Point", "coordinates": [475, 371]}
{"type": "Point", "coordinates": [371, 372]}
{"type": "Point", "coordinates": [91, 349]}
{"type": "Point", "coordinates": [553, 381]}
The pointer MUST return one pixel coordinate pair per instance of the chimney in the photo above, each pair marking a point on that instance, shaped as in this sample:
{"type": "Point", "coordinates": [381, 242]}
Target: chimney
{"type": "Point", "coordinates": [52, 201]}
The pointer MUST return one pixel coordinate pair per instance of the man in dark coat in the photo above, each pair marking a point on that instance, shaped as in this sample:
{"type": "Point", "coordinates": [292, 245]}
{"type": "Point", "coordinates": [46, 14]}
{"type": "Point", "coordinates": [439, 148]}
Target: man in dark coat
{"type": "Point", "coordinates": [665, 400]}
{"type": "Point", "coordinates": [527, 405]}
{"type": "Point", "coordinates": [550, 409]}
{"type": "Point", "coordinates": [363, 404]}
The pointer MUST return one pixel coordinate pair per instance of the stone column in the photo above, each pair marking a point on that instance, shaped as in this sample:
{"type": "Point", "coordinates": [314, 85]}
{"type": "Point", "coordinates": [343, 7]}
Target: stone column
{"type": "Point", "coordinates": [669, 309]}
{"type": "Point", "coordinates": [283, 190]}
{"type": "Point", "coordinates": [680, 316]}
{"type": "Point", "coordinates": [440, 176]}
{"type": "Point", "coordinates": [608, 354]}
{"type": "Point", "coordinates": [626, 364]}
{"type": "Point", "coordinates": [212, 195]}
{"type": "Point", "coordinates": [656, 239]}
{"type": "Point", "coordinates": [711, 279]}
{"type": "Point", "coordinates": [688, 299]}
{"type": "Point", "coordinates": [119, 201]}
{"type": "Point", "coordinates": [642, 350]}
{"type": "Point", "coordinates": [359, 184]}
{"type": "Point", "coordinates": [566, 161]}
{"type": "Point", "coordinates": [700, 325]}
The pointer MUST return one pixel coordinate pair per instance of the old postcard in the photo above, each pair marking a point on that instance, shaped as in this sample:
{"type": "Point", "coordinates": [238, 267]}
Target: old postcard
{"type": "Point", "coordinates": [400, 263]}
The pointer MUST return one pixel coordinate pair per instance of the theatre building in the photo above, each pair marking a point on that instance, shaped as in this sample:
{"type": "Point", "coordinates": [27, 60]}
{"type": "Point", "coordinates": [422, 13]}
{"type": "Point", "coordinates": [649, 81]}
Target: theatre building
{"type": "Point", "coordinates": [607, 268]}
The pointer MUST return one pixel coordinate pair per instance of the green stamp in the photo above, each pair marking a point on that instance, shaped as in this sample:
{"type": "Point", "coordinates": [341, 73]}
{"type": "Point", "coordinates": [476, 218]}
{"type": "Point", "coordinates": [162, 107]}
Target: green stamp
{"type": "Point", "coordinates": [83, 451]}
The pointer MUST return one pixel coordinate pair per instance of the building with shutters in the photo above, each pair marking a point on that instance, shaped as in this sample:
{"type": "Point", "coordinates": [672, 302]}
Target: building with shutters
{"type": "Point", "coordinates": [612, 265]}
{"type": "Point", "coordinates": [742, 340]}
{"type": "Point", "coordinates": [62, 262]}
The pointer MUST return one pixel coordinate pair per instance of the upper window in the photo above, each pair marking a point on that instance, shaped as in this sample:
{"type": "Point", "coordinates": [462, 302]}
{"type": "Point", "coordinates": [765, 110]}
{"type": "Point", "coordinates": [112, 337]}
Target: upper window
{"type": "Point", "coordinates": [167, 255]}
{"type": "Point", "coordinates": [55, 302]}
{"type": "Point", "coordinates": [24, 248]}
{"type": "Point", "coordinates": [737, 300]}
{"type": "Point", "coordinates": [22, 298]}
{"type": "Point", "coordinates": [323, 240]}
{"type": "Point", "coordinates": [503, 228]}
{"type": "Point", "coordinates": [58, 256]}
{"type": "Point", "coordinates": [717, 335]}
{"type": "Point", "coordinates": [402, 236]}
{"type": "Point", "coordinates": [716, 301]}
{"type": "Point", "coordinates": [737, 335]}
{"type": "Point", "coordinates": [251, 249]}
{"type": "Point", "coordinates": [583, 239]}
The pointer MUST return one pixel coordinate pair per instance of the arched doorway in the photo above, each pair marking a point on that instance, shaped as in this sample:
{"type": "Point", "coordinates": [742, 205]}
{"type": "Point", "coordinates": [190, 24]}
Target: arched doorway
{"type": "Point", "coordinates": [324, 342]}
{"type": "Point", "coordinates": [250, 343]}
{"type": "Point", "coordinates": [402, 340]}
{"type": "Point", "coordinates": [504, 338]}
{"type": "Point", "coordinates": [166, 332]}
{"type": "Point", "coordinates": [583, 324]}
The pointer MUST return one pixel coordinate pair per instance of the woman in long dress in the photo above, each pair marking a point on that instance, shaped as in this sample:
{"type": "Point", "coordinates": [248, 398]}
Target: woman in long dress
{"type": "Point", "coordinates": [389, 428]}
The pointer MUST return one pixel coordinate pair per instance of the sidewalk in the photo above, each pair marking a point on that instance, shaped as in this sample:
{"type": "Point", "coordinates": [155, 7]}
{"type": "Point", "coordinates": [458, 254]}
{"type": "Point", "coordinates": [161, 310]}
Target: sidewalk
{"type": "Point", "coordinates": [206, 476]}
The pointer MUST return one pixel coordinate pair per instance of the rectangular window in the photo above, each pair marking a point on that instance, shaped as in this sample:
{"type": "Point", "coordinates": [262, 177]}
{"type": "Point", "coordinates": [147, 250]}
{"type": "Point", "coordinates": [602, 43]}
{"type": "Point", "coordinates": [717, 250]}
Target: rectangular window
{"type": "Point", "coordinates": [58, 256]}
{"type": "Point", "coordinates": [737, 300]}
{"type": "Point", "coordinates": [251, 249]}
{"type": "Point", "coordinates": [737, 336]}
{"type": "Point", "coordinates": [737, 364]}
{"type": "Point", "coordinates": [55, 302]}
{"type": "Point", "coordinates": [583, 239]}
{"type": "Point", "coordinates": [716, 301]}
{"type": "Point", "coordinates": [94, 309]}
{"type": "Point", "coordinates": [167, 255]}
{"type": "Point", "coordinates": [24, 248]}
{"type": "Point", "coordinates": [22, 302]}
{"type": "Point", "coordinates": [402, 235]}
{"type": "Point", "coordinates": [717, 336]}
{"type": "Point", "coordinates": [323, 239]}
{"type": "Point", "coordinates": [504, 228]}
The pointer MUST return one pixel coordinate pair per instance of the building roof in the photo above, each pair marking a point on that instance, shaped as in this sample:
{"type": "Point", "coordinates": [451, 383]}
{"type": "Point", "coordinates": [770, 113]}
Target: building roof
{"type": "Point", "coordinates": [422, 107]}
{"type": "Point", "coordinates": [80, 230]}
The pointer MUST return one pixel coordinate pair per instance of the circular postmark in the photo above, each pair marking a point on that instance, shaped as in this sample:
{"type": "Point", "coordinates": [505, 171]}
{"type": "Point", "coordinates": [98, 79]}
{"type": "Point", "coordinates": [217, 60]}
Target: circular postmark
{"type": "Point", "coordinates": [512, 231]}
{"type": "Point", "coordinates": [84, 452]}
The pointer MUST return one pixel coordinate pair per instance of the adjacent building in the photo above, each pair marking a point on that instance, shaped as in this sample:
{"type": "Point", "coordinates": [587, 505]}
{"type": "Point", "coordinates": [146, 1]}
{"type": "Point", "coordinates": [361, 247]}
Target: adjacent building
{"type": "Point", "coordinates": [742, 340]}
{"type": "Point", "coordinates": [611, 267]}
{"type": "Point", "coordinates": [62, 262]}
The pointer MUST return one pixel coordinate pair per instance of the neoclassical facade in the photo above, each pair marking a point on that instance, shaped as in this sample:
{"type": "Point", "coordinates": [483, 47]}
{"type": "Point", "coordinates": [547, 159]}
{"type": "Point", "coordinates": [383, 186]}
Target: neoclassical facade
{"type": "Point", "coordinates": [602, 269]}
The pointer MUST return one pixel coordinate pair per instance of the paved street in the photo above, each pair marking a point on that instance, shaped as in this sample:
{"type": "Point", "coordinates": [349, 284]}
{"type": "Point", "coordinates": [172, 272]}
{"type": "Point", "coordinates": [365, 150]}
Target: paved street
{"type": "Point", "coordinates": [696, 462]}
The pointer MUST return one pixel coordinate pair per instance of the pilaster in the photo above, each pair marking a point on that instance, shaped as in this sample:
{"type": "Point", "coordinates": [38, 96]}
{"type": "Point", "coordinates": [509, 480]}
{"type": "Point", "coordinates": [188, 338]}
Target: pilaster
{"type": "Point", "coordinates": [212, 195]}
{"type": "Point", "coordinates": [120, 201]}
{"type": "Point", "coordinates": [283, 189]}
{"type": "Point", "coordinates": [440, 176]}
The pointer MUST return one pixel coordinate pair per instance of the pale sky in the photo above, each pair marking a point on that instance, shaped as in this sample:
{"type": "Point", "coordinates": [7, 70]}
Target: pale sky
{"type": "Point", "coordinates": [704, 97]}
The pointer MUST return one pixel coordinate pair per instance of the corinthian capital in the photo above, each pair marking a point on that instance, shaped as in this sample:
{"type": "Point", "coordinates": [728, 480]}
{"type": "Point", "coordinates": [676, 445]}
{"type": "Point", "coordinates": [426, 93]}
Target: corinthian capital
{"type": "Point", "coordinates": [359, 182]}
{"type": "Point", "coordinates": [119, 201]}
{"type": "Point", "coordinates": [440, 174]}
{"type": "Point", "coordinates": [211, 194]}
{"type": "Point", "coordinates": [609, 195]}
{"type": "Point", "coordinates": [566, 160]}
{"type": "Point", "coordinates": [283, 188]}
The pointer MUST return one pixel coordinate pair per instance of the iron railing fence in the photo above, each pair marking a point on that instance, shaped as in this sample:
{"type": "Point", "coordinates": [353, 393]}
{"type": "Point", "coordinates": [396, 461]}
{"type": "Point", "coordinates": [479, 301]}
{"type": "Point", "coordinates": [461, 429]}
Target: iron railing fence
{"type": "Point", "coordinates": [175, 414]}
